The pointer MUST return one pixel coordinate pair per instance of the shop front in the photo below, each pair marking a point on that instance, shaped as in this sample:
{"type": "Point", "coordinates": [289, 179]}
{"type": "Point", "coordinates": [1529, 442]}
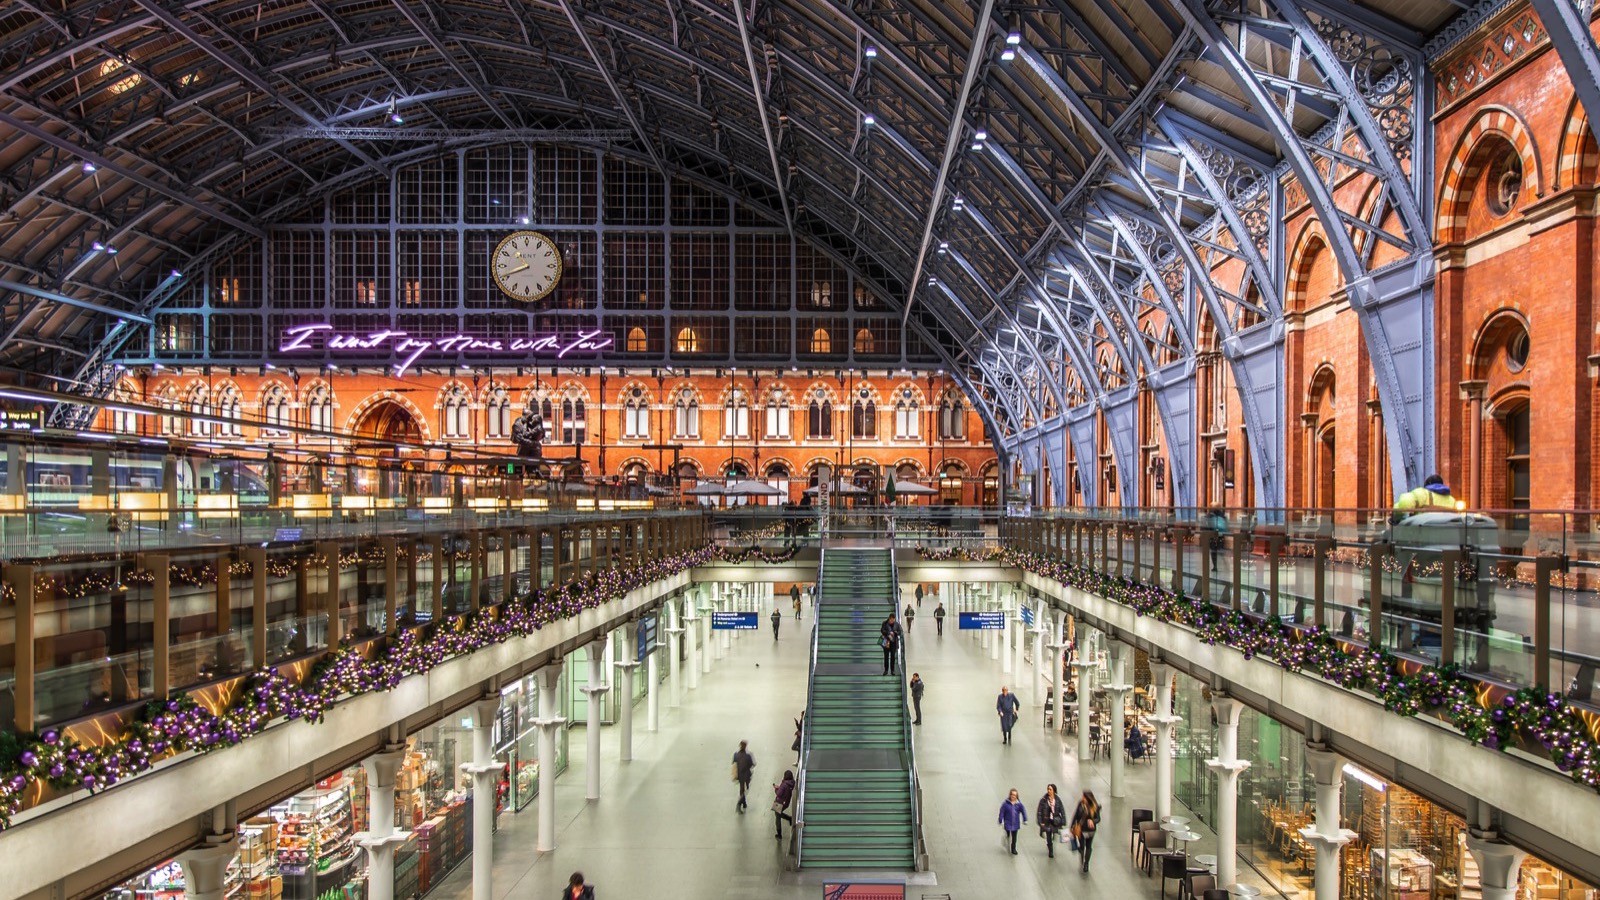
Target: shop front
{"type": "Point", "coordinates": [516, 738]}
{"type": "Point", "coordinates": [1405, 847]}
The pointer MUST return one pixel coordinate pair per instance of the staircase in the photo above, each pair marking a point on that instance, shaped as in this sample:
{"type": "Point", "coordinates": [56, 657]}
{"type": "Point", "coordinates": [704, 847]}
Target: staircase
{"type": "Point", "coordinates": [858, 807]}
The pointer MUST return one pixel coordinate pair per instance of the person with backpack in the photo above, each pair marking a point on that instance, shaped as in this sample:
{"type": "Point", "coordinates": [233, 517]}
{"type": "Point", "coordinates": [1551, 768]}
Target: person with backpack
{"type": "Point", "coordinates": [1013, 815]}
{"type": "Point", "coordinates": [743, 765]}
{"type": "Point", "coordinates": [1051, 816]}
{"type": "Point", "coordinates": [1085, 822]}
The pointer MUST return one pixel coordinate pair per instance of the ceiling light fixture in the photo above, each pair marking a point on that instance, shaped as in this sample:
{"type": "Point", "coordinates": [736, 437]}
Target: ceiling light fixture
{"type": "Point", "coordinates": [88, 166]}
{"type": "Point", "coordinates": [871, 52]}
{"type": "Point", "coordinates": [394, 114]}
{"type": "Point", "coordinates": [868, 119]}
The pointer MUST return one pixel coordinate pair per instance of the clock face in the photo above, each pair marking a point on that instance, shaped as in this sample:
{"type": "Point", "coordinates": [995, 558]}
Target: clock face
{"type": "Point", "coordinates": [527, 265]}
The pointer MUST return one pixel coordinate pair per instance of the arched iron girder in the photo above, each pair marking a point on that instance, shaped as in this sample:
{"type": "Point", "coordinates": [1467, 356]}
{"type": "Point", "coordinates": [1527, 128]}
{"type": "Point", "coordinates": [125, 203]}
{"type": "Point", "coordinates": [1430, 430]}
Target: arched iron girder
{"type": "Point", "coordinates": [1567, 24]}
{"type": "Point", "coordinates": [976, 323]}
{"type": "Point", "coordinates": [1399, 297]}
{"type": "Point", "coordinates": [1005, 312]}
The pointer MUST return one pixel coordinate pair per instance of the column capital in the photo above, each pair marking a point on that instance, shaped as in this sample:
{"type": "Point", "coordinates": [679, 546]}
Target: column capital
{"type": "Point", "coordinates": [484, 709]}
{"type": "Point", "coordinates": [1161, 672]}
{"type": "Point", "coordinates": [1498, 861]}
{"type": "Point", "coordinates": [629, 665]}
{"type": "Point", "coordinates": [1318, 839]}
{"type": "Point", "coordinates": [593, 689]}
{"type": "Point", "coordinates": [1230, 769]}
{"type": "Point", "coordinates": [1164, 721]}
{"type": "Point", "coordinates": [1324, 763]}
{"type": "Point", "coordinates": [370, 841]}
{"type": "Point", "coordinates": [382, 766]}
{"type": "Point", "coordinates": [1228, 709]}
{"type": "Point", "coordinates": [1473, 388]}
{"type": "Point", "coordinates": [1120, 690]}
{"type": "Point", "coordinates": [550, 724]}
{"type": "Point", "coordinates": [549, 675]}
{"type": "Point", "coordinates": [482, 768]}
{"type": "Point", "coordinates": [205, 866]}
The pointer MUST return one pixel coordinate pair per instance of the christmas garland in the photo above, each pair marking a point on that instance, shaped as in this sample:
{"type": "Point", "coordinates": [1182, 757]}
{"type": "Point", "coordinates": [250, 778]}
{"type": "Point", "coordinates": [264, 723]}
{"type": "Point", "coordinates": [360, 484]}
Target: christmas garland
{"type": "Point", "coordinates": [164, 728]}
{"type": "Point", "coordinates": [1531, 717]}
{"type": "Point", "coordinates": [960, 554]}
{"type": "Point", "coordinates": [745, 554]}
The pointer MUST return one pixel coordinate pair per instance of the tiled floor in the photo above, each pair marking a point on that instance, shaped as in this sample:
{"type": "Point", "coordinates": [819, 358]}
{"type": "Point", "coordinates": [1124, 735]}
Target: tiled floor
{"type": "Point", "coordinates": [666, 825]}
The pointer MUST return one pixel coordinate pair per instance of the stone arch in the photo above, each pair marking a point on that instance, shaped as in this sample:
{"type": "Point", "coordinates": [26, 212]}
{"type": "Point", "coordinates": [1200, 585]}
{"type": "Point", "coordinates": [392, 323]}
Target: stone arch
{"type": "Point", "coordinates": [1491, 336]}
{"type": "Point", "coordinates": [1324, 381]}
{"type": "Point", "coordinates": [371, 400]}
{"type": "Point", "coordinates": [1467, 160]}
{"type": "Point", "coordinates": [1579, 163]}
{"type": "Point", "coordinates": [1310, 251]}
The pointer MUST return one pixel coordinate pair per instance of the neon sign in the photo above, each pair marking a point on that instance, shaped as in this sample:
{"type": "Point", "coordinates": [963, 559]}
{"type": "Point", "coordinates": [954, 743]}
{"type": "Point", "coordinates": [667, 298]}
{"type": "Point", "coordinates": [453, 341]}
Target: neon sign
{"type": "Point", "coordinates": [321, 335]}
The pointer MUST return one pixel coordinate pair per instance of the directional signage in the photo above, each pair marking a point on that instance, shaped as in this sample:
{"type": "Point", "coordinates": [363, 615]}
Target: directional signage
{"type": "Point", "coordinates": [647, 635]}
{"type": "Point", "coordinates": [1027, 615]}
{"type": "Point", "coordinates": [735, 621]}
{"type": "Point", "coordinates": [984, 621]}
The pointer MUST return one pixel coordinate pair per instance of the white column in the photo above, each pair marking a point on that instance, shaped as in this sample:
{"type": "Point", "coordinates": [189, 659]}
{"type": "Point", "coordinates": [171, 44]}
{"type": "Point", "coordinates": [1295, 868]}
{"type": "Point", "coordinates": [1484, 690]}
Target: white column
{"type": "Point", "coordinates": [725, 637]}
{"type": "Point", "coordinates": [1012, 620]}
{"type": "Point", "coordinates": [381, 838]}
{"type": "Point", "coordinates": [1039, 629]}
{"type": "Point", "coordinates": [1166, 723]}
{"type": "Point", "coordinates": [711, 647]}
{"type": "Point", "coordinates": [549, 724]}
{"type": "Point", "coordinates": [691, 623]}
{"type": "Point", "coordinates": [1325, 834]}
{"type": "Point", "coordinates": [626, 662]}
{"type": "Point", "coordinates": [1117, 693]}
{"type": "Point", "coordinates": [675, 636]}
{"type": "Point", "coordinates": [1081, 664]}
{"type": "Point", "coordinates": [1227, 765]}
{"type": "Point", "coordinates": [996, 639]}
{"type": "Point", "coordinates": [652, 678]}
{"type": "Point", "coordinates": [596, 691]}
{"type": "Point", "coordinates": [483, 770]}
{"type": "Point", "coordinates": [205, 867]}
{"type": "Point", "coordinates": [1021, 635]}
{"type": "Point", "coordinates": [1498, 865]}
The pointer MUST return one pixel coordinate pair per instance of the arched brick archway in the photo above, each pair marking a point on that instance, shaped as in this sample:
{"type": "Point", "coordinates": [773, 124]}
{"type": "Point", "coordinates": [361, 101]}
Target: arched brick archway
{"type": "Point", "coordinates": [1473, 151]}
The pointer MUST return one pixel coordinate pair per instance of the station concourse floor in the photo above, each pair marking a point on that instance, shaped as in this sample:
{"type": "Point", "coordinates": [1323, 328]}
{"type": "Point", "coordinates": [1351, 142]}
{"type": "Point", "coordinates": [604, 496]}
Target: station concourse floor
{"type": "Point", "coordinates": [666, 827]}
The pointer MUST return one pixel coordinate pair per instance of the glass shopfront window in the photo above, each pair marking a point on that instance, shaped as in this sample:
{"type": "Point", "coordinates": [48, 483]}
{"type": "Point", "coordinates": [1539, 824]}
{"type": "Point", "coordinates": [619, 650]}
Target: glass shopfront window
{"type": "Point", "coordinates": [517, 745]}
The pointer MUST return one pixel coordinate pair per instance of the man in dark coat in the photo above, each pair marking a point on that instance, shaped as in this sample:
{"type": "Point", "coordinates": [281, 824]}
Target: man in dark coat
{"type": "Point", "coordinates": [938, 617]}
{"type": "Point", "coordinates": [743, 765]}
{"type": "Point", "coordinates": [916, 697]}
{"type": "Point", "coordinates": [1007, 707]}
{"type": "Point", "coordinates": [889, 636]}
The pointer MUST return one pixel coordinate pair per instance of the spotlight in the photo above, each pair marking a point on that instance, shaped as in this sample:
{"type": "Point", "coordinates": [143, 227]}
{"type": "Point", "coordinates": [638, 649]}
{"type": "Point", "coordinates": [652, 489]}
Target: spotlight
{"type": "Point", "coordinates": [176, 274]}
{"type": "Point", "coordinates": [394, 114]}
{"type": "Point", "coordinates": [524, 220]}
{"type": "Point", "coordinates": [944, 246]}
{"type": "Point", "coordinates": [871, 52]}
{"type": "Point", "coordinates": [868, 119]}
{"type": "Point", "coordinates": [88, 166]}
{"type": "Point", "coordinates": [1008, 54]}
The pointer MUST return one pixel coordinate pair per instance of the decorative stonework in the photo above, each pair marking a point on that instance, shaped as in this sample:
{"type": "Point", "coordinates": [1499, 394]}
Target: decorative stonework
{"type": "Point", "coordinates": [1502, 42]}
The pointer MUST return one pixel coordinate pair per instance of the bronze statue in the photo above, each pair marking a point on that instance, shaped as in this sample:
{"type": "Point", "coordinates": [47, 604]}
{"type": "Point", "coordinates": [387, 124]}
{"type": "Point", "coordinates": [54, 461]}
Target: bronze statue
{"type": "Point", "coordinates": [527, 432]}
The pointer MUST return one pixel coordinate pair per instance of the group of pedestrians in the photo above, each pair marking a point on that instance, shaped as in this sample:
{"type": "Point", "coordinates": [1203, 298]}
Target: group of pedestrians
{"type": "Point", "coordinates": [1051, 817]}
{"type": "Point", "coordinates": [743, 769]}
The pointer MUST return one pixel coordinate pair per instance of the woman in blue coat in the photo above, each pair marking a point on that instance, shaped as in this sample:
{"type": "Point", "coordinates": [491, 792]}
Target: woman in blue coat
{"type": "Point", "coordinates": [1013, 815]}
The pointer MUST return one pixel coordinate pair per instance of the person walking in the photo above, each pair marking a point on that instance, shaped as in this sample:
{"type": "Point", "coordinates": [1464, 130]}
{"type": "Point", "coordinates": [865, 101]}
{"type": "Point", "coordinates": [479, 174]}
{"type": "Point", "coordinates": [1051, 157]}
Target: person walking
{"type": "Point", "coordinates": [1007, 707]}
{"type": "Point", "coordinates": [743, 765]}
{"type": "Point", "coordinates": [938, 617]}
{"type": "Point", "coordinates": [1085, 822]}
{"type": "Point", "coordinates": [1051, 817]}
{"type": "Point", "coordinates": [889, 637]}
{"type": "Point", "coordinates": [783, 795]}
{"type": "Point", "coordinates": [797, 609]}
{"type": "Point", "coordinates": [777, 619]}
{"type": "Point", "coordinates": [799, 736]}
{"type": "Point", "coordinates": [918, 594]}
{"type": "Point", "coordinates": [576, 889]}
{"type": "Point", "coordinates": [794, 593]}
{"type": "Point", "coordinates": [911, 616]}
{"type": "Point", "coordinates": [916, 697]}
{"type": "Point", "coordinates": [1013, 815]}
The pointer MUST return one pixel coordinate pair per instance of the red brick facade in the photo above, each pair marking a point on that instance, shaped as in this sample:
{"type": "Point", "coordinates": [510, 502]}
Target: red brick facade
{"type": "Point", "coordinates": [909, 430]}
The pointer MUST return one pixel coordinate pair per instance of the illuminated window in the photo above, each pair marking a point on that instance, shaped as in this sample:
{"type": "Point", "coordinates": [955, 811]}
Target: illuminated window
{"type": "Point", "coordinates": [275, 410]}
{"type": "Point", "coordinates": [228, 292]}
{"type": "Point", "coordinates": [777, 416]}
{"type": "Point", "coordinates": [123, 420]}
{"type": "Point", "coordinates": [367, 293]}
{"type": "Point", "coordinates": [907, 416]}
{"type": "Point", "coordinates": [228, 408]}
{"type": "Point", "coordinates": [574, 418]}
{"type": "Point", "coordinates": [198, 406]}
{"type": "Point", "coordinates": [319, 408]}
{"type": "Point", "coordinates": [865, 342]}
{"type": "Point", "coordinates": [688, 341]}
{"type": "Point", "coordinates": [736, 416]}
{"type": "Point", "coordinates": [639, 342]}
{"type": "Point", "coordinates": [635, 414]}
{"type": "Point", "coordinates": [686, 415]}
{"type": "Point", "coordinates": [110, 69]}
{"type": "Point", "coordinates": [499, 414]}
{"type": "Point", "coordinates": [821, 342]}
{"type": "Point", "coordinates": [410, 293]}
{"type": "Point", "coordinates": [822, 294]}
{"type": "Point", "coordinates": [457, 414]}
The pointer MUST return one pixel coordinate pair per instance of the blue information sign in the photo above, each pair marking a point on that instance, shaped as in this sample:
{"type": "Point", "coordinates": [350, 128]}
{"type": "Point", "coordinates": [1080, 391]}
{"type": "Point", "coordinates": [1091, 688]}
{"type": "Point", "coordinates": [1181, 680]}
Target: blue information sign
{"type": "Point", "coordinates": [1027, 615]}
{"type": "Point", "coordinates": [647, 635]}
{"type": "Point", "coordinates": [287, 534]}
{"type": "Point", "coordinates": [984, 621]}
{"type": "Point", "coordinates": [735, 621]}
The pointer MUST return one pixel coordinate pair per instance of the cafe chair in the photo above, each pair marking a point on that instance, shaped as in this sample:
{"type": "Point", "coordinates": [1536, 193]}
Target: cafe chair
{"type": "Point", "coordinates": [1196, 885]}
{"type": "Point", "coordinates": [1155, 846]}
{"type": "Point", "coordinates": [1176, 868]}
{"type": "Point", "coordinates": [1140, 816]}
{"type": "Point", "coordinates": [1214, 894]}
